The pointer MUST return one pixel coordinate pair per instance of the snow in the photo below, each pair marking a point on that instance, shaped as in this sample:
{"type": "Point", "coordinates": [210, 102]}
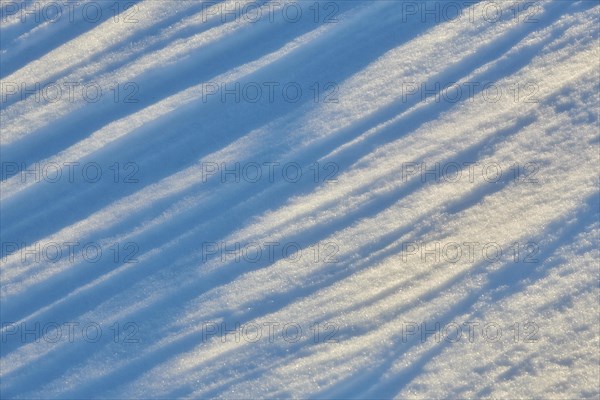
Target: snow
{"type": "Point", "coordinates": [160, 263]}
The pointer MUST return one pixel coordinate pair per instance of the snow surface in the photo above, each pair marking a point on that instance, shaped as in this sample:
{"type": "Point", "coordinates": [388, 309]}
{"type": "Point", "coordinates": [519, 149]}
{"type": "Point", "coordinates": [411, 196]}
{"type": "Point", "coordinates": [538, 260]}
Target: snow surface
{"type": "Point", "coordinates": [391, 261]}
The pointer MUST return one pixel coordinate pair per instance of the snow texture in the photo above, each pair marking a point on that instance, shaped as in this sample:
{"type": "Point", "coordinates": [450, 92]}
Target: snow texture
{"type": "Point", "coordinates": [300, 199]}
